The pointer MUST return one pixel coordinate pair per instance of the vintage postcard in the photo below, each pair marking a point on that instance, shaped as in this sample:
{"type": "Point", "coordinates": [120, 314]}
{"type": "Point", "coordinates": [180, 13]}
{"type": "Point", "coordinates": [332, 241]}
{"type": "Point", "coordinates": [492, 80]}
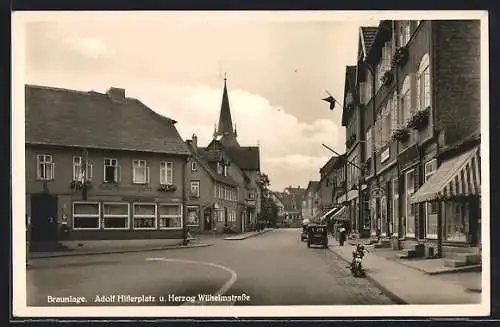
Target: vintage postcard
{"type": "Point", "coordinates": [250, 164]}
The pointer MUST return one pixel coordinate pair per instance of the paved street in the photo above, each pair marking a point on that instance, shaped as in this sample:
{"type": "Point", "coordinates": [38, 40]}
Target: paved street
{"type": "Point", "coordinates": [274, 268]}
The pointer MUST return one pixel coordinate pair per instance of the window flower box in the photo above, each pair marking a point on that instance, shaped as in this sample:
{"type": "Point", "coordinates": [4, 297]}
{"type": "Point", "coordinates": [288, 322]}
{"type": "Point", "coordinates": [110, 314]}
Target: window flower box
{"type": "Point", "coordinates": [400, 56]}
{"type": "Point", "coordinates": [387, 78]}
{"type": "Point", "coordinates": [419, 119]}
{"type": "Point", "coordinates": [79, 185]}
{"type": "Point", "coordinates": [167, 188]}
{"type": "Point", "coordinates": [400, 134]}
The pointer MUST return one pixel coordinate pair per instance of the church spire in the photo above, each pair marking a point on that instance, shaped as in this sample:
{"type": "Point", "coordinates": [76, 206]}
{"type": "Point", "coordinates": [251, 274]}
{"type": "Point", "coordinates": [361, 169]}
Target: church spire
{"type": "Point", "coordinates": [225, 125]}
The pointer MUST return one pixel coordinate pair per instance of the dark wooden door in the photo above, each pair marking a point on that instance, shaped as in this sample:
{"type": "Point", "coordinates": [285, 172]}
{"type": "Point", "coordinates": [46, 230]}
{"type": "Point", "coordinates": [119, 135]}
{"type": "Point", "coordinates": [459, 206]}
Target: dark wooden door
{"type": "Point", "coordinates": [208, 220]}
{"type": "Point", "coordinates": [43, 218]}
{"type": "Point", "coordinates": [225, 216]}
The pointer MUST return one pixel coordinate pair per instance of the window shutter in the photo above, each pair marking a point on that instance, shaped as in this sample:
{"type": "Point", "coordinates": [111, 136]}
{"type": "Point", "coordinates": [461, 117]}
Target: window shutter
{"type": "Point", "coordinates": [147, 174]}
{"type": "Point", "coordinates": [38, 170]}
{"type": "Point", "coordinates": [52, 170]}
{"type": "Point", "coordinates": [90, 173]}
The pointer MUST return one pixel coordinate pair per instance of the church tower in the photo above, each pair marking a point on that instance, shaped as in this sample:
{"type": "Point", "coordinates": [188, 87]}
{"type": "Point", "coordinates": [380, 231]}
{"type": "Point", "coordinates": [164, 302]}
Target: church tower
{"type": "Point", "coordinates": [225, 131]}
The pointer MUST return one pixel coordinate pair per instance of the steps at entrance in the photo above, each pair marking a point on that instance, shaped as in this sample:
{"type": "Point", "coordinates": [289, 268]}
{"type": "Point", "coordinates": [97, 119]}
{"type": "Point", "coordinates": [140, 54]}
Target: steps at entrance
{"type": "Point", "coordinates": [463, 259]}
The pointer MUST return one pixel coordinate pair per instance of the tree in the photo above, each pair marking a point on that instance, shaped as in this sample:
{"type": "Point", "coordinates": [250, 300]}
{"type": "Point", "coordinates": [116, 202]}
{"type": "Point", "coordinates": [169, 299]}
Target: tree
{"type": "Point", "coordinates": [268, 209]}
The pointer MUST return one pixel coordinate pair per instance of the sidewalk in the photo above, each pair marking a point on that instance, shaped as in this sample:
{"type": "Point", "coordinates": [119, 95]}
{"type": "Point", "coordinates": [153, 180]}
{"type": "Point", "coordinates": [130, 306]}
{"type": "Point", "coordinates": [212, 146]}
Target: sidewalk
{"type": "Point", "coordinates": [247, 235]}
{"type": "Point", "coordinates": [75, 248]}
{"type": "Point", "coordinates": [406, 285]}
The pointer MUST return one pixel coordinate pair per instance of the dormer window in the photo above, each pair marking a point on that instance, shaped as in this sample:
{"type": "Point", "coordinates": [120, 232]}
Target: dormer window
{"type": "Point", "coordinates": [225, 170]}
{"type": "Point", "coordinates": [219, 168]}
{"type": "Point", "coordinates": [194, 166]}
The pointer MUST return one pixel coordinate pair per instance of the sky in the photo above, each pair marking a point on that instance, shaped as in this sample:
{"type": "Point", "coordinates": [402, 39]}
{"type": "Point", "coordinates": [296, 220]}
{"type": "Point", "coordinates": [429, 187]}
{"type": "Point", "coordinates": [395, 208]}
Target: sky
{"type": "Point", "coordinates": [278, 68]}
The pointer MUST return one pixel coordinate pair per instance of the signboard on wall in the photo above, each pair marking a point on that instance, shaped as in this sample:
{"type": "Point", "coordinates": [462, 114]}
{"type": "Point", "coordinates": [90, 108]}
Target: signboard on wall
{"type": "Point", "coordinates": [385, 155]}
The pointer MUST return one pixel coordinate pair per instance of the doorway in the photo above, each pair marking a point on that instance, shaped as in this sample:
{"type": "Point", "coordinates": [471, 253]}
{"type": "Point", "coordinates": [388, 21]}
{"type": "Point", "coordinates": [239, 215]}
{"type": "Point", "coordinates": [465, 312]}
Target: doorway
{"type": "Point", "coordinates": [43, 218]}
{"type": "Point", "coordinates": [225, 217]}
{"type": "Point", "coordinates": [207, 218]}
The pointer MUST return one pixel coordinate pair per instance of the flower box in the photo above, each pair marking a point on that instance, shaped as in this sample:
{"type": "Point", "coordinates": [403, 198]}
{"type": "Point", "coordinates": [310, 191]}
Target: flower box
{"type": "Point", "coordinates": [167, 188]}
{"type": "Point", "coordinates": [419, 119]}
{"type": "Point", "coordinates": [79, 185]}
{"type": "Point", "coordinates": [387, 78]}
{"type": "Point", "coordinates": [400, 56]}
{"type": "Point", "coordinates": [400, 134]}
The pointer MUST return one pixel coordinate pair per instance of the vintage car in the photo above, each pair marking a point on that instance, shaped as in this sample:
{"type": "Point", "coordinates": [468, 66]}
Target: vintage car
{"type": "Point", "coordinates": [317, 235]}
{"type": "Point", "coordinates": [303, 233]}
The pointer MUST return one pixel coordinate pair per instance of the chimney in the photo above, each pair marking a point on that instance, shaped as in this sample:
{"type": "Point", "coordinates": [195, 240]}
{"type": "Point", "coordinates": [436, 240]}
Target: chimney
{"type": "Point", "coordinates": [116, 94]}
{"type": "Point", "coordinates": [194, 141]}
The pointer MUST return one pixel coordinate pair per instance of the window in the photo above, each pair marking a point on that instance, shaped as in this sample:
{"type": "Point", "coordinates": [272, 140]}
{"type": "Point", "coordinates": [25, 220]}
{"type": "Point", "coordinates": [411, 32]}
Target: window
{"type": "Point", "coordinates": [369, 145]}
{"type": "Point", "coordinates": [170, 216]}
{"type": "Point", "coordinates": [404, 34]}
{"type": "Point", "coordinates": [405, 102]}
{"type": "Point", "coordinates": [194, 166]}
{"type": "Point", "coordinates": [410, 208]}
{"type": "Point", "coordinates": [225, 170]}
{"type": "Point", "coordinates": [86, 215]}
{"type": "Point", "coordinates": [195, 189]}
{"type": "Point", "coordinates": [166, 173]}
{"type": "Point", "coordinates": [423, 84]}
{"type": "Point", "coordinates": [140, 172]}
{"type": "Point", "coordinates": [387, 56]}
{"type": "Point", "coordinates": [251, 195]}
{"type": "Point", "coordinates": [231, 216]}
{"type": "Point", "coordinates": [45, 170]}
{"type": "Point", "coordinates": [394, 112]}
{"type": "Point", "coordinates": [395, 207]}
{"type": "Point", "coordinates": [144, 216]}
{"type": "Point", "coordinates": [112, 172]}
{"type": "Point", "coordinates": [386, 123]}
{"type": "Point", "coordinates": [81, 173]}
{"type": "Point", "coordinates": [362, 92]}
{"type": "Point", "coordinates": [193, 216]}
{"type": "Point", "coordinates": [383, 215]}
{"type": "Point", "coordinates": [219, 168]}
{"type": "Point", "coordinates": [115, 215]}
{"type": "Point", "coordinates": [430, 168]}
{"type": "Point", "coordinates": [431, 208]}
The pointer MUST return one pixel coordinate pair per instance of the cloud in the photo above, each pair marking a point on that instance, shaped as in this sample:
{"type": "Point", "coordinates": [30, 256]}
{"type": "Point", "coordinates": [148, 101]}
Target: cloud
{"type": "Point", "coordinates": [90, 47]}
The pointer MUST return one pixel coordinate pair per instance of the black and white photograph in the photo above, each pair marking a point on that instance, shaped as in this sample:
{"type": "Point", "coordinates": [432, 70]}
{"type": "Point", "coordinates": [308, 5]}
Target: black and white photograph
{"type": "Point", "coordinates": [250, 164]}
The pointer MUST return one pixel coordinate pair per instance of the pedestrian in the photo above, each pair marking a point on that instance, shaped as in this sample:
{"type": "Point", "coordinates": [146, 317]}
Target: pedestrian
{"type": "Point", "coordinates": [342, 232]}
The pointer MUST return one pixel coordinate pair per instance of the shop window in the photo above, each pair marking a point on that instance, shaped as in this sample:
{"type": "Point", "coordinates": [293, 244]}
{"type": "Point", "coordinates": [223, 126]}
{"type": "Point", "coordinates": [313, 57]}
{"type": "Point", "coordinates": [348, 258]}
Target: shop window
{"type": "Point", "coordinates": [456, 218]}
{"type": "Point", "coordinates": [86, 215]}
{"type": "Point", "coordinates": [170, 216]}
{"type": "Point", "coordinates": [115, 215]}
{"type": "Point", "coordinates": [431, 213]}
{"type": "Point", "coordinates": [395, 207]}
{"type": "Point", "coordinates": [410, 208]}
{"type": "Point", "coordinates": [144, 216]}
{"type": "Point", "coordinates": [193, 216]}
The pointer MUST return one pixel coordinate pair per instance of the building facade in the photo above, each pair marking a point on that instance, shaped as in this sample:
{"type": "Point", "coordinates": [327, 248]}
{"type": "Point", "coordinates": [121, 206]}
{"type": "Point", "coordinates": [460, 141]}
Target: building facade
{"type": "Point", "coordinates": [419, 86]}
{"type": "Point", "coordinates": [246, 163]}
{"type": "Point", "coordinates": [101, 166]}
{"type": "Point", "coordinates": [308, 204]}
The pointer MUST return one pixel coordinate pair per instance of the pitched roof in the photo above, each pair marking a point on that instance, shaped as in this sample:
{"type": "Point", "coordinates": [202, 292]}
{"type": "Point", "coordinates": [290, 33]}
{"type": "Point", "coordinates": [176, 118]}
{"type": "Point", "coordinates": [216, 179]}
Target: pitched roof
{"type": "Point", "coordinates": [225, 122]}
{"type": "Point", "coordinates": [246, 157]}
{"type": "Point", "coordinates": [288, 200]}
{"type": "Point", "coordinates": [56, 116]}
{"type": "Point", "coordinates": [367, 35]}
{"type": "Point", "coordinates": [350, 80]}
{"type": "Point", "coordinates": [201, 157]}
{"type": "Point", "coordinates": [331, 164]}
{"type": "Point", "coordinates": [312, 186]}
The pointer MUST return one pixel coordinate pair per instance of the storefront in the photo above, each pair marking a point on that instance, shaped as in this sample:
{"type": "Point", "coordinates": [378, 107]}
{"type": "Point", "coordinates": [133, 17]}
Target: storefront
{"type": "Point", "coordinates": [453, 191]}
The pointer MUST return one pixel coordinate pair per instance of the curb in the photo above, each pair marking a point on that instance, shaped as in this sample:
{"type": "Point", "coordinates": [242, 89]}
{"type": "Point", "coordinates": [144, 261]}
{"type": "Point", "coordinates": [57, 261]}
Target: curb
{"type": "Point", "coordinates": [74, 254]}
{"type": "Point", "coordinates": [250, 236]}
{"type": "Point", "coordinates": [391, 295]}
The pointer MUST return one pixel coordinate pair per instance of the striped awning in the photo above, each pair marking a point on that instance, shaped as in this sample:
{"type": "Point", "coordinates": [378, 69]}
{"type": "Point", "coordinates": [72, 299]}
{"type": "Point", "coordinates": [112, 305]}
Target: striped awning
{"type": "Point", "coordinates": [459, 176]}
{"type": "Point", "coordinates": [339, 215]}
{"type": "Point", "coordinates": [330, 212]}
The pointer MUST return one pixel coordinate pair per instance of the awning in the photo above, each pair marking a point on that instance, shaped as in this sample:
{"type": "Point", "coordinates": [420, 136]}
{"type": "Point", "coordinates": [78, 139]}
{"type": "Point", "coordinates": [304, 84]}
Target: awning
{"type": "Point", "coordinates": [339, 215]}
{"type": "Point", "coordinates": [457, 176]}
{"type": "Point", "coordinates": [329, 212]}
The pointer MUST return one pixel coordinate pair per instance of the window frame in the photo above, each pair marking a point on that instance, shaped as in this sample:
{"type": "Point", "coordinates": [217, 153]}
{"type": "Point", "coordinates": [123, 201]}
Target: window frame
{"type": "Point", "coordinates": [160, 216]}
{"type": "Point", "coordinates": [136, 164]}
{"type": "Point", "coordinates": [89, 169]}
{"type": "Point", "coordinates": [395, 207]}
{"type": "Point", "coordinates": [104, 216]}
{"type": "Point", "coordinates": [117, 170]}
{"type": "Point", "coordinates": [407, 204]}
{"type": "Point", "coordinates": [84, 215]}
{"type": "Point", "coordinates": [423, 90]}
{"type": "Point", "coordinates": [155, 216]}
{"type": "Point", "coordinates": [191, 184]}
{"type": "Point", "coordinates": [405, 109]}
{"type": "Point", "coordinates": [50, 163]}
{"type": "Point", "coordinates": [194, 166]}
{"type": "Point", "coordinates": [198, 212]}
{"type": "Point", "coordinates": [165, 168]}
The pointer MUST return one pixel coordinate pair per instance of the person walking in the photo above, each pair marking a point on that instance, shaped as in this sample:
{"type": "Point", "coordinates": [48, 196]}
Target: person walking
{"type": "Point", "coordinates": [342, 235]}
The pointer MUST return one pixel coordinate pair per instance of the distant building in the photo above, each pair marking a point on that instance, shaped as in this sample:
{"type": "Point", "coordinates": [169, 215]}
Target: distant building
{"type": "Point", "coordinates": [104, 165]}
{"type": "Point", "coordinates": [310, 201]}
